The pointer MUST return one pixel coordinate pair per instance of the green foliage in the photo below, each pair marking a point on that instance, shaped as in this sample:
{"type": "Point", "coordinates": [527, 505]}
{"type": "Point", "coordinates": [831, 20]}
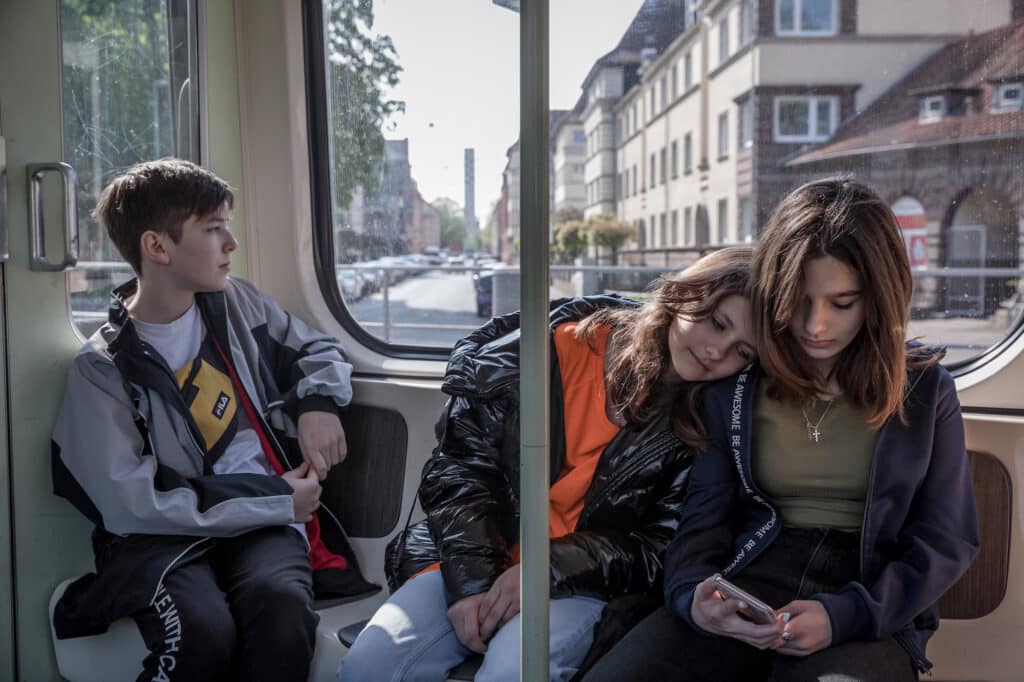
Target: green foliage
{"type": "Point", "coordinates": [359, 66]}
{"type": "Point", "coordinates": [605, 230]}
{"type": "Point", "coordinates": [116, 98]}
{"type": "Point", "coordinates": [570, 240]}
{"type": "Point", "coordinates": [453, 222]}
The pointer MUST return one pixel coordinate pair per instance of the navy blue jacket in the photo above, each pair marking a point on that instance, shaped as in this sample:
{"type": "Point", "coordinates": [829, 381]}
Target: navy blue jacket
{"type": "Point", "coordinates": [918, 536]}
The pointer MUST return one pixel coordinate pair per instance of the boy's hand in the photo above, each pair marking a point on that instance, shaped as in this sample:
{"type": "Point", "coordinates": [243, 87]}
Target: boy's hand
{"type": "Point", "coordinates": [322, 441]}
{"type": "Point", "coordinates": [305, 491]}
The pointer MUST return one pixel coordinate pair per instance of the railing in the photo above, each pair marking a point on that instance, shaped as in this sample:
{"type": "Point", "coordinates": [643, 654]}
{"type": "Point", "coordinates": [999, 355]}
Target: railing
{"type": "Point", "coordinates": [966, 309]}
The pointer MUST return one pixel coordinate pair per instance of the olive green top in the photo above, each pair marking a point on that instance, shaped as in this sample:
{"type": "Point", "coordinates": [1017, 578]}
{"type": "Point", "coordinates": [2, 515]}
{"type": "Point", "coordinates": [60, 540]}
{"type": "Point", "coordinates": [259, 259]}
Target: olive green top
{"type": "Point", "coordinates": [813, 484]}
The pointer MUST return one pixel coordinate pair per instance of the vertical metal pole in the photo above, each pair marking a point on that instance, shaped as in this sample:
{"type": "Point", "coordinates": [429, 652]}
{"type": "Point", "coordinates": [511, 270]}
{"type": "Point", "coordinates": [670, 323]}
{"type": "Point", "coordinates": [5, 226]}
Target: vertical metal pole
{"type": "Point", "coordinates": [534, 344]}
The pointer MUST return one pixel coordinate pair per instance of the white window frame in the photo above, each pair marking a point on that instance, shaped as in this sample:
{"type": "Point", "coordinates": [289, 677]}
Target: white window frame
{"type": "Point", "coordinates": [797, 30]}
{"type": "Point", "coordinates": [723, 135]}
{"type": "Point", "coordinates": [925, 113]}
{"type": "Point", "coordinates": [747, 122]}
{"type": "Point", "coordinates": [747, 21]}
{"type": "Point", "coordinates": [812, 134]}
{"type": "Point", "coordinates": [1000, 104]}
{"type": "Point", "coordinates": [723, 41]}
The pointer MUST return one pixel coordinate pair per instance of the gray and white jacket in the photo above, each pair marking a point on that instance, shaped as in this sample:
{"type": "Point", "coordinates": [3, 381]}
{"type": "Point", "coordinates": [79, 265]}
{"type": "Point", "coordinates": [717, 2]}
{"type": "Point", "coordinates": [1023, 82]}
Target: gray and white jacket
{"type": "Point", "coordinates": [127, 452]}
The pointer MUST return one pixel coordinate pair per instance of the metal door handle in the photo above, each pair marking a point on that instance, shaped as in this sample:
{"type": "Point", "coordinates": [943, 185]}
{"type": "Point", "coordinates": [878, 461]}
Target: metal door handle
{"type": "Point", "coordinates": [35, 172]}
{"type": "Point", "coordinates": [4, 253]}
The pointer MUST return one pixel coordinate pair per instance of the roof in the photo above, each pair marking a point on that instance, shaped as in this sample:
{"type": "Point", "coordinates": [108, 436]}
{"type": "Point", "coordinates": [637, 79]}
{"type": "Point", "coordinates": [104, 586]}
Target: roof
{"type": "Point", "coordinates": [656, 24]}
{"type": "Point", "coordinates": [962, 67]}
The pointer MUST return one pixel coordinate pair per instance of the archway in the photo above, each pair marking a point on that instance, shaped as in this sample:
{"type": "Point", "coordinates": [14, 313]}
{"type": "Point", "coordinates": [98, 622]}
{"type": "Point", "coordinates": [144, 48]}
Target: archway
{"type": "Point", "coordinates": [983, 233]}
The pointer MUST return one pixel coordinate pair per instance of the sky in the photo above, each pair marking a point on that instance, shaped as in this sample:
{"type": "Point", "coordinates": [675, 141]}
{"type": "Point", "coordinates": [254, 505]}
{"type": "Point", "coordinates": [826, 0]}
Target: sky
{"type": "Point", "coordinates": [460, 80]}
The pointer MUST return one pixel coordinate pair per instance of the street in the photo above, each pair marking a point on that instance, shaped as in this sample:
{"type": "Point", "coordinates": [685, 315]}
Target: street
{"type": "Point", "coordinates": [434, 309]}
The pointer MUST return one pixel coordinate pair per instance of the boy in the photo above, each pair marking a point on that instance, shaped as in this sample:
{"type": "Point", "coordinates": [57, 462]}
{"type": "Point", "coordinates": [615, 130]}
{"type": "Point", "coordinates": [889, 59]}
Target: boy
{"type": "Point", "coordinates": [170, 441]}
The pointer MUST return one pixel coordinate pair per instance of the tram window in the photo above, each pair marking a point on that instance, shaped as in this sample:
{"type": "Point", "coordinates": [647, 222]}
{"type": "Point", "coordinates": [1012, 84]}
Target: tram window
{"type": "Point", "coordinates": [129, 95]}
{"type": "Point", "coordinates": [837, 104]}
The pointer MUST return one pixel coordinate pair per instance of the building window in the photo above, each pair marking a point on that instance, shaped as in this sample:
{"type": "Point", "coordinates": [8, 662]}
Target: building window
{"type": "Point", "coordinates": [747, 122]}
{"type": "Point", "coordinates": [664, 165]}
{"type": "Point", "coordinates": [675, 81]}
{"type": "Point", "coordinates": [664, 92]}
{"type": "Point", "coordinates": [723, 41]}
{"type": "Point", "coordinates": [806, 17]}
{"type": "Point", "coordinates": [932, 109]}
{"type": "Point", "coordinates": [623, 187]}
{"type": "Point", "coordinates": [723, 135]}
{"type": "Point", "coordinates": [654, 168]}
{"type": "Point", "coordinates": [674, 229]}
{"type": "Point", "coordinates": [688, 153]}
{"type": "Point", "coordinates": [723, 220]}
{"type": "Point", "coordinates": [651, 231]}
{"type": "Point", "coordinates": [687, 226]}
{"type": "Point", "coordinates": [654, 104]}
{"type": "Point", "coordinates": [578, 137]}
{"type": "Point", "coordinates": [642, 234]}
{"type": "Point", "coordinates": [746, 22]}
{"type": "Point", "coordinates": [688, 71]}
{"type": "Point", "coordinates": [664, 232]}
{"type": "Point", "coordinates": [746, 220]}
{"type": "Point", "coordinates": [1009, 97]}
{"type": "Point", "coordinates": [675, 158]}
{"type": "Point", "coordinates": [805, 119]}
{"type": "Point", "coordinates": [634, 179]}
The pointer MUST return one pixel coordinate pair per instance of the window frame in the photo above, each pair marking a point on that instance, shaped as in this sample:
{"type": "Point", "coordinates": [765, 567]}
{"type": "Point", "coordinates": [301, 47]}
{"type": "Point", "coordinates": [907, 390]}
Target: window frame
{"type": "Point", "coordinates": [812, 117]}
{"type": "Point", "coordinates": [724, 50]}
{"type": "Point", "coordinates": [925, 113]}
{"type": "Point", "coordinates": [999, 104]}
{"type": "Point", "coordinates": [797, 31]}
{"type": "Point", "coordinates": [723, 135]}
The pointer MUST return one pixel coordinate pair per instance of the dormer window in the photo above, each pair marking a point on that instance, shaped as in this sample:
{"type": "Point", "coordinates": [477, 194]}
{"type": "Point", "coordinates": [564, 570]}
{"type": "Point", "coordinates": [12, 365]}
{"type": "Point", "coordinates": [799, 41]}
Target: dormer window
{"type": "Point", "coordinates": [1008, 97]}
{"type": "Point", "coordinates": [932, 109]}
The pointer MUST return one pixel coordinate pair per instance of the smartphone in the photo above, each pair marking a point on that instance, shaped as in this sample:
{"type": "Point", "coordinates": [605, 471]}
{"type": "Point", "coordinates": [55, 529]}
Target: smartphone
{"type": "Point", "coordinates": [755, 609]}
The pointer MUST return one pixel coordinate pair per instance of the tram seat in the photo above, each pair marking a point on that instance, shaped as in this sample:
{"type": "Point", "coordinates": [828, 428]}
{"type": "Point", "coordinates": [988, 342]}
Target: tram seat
{"type": "Point", "coordinates": [117, 654]}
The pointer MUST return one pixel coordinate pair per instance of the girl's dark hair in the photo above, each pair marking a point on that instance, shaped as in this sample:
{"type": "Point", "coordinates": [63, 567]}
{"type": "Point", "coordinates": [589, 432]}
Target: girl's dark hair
{"type": "Point", "coordinates": [847, 220]}
{"type": "Point", "coordinates": [637, 375]}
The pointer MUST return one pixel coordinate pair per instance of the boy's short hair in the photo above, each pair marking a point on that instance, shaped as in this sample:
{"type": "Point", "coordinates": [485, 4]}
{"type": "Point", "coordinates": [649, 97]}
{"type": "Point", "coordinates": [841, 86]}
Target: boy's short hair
{"type": "Point", "coordinates": [160, 196]}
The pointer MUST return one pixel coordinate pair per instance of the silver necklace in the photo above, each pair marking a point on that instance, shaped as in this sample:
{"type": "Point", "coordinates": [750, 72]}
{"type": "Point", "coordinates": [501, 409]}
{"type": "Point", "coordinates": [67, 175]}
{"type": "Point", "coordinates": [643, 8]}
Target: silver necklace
{"type": "Point", "coordinates": [813, 432]}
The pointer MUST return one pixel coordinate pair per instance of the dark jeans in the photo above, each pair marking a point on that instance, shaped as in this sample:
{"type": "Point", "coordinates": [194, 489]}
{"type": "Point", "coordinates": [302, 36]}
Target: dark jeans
{"type": "Point", "coordinates": [242, 612]}
{"type": "Point", "coordinates": [801, 562]}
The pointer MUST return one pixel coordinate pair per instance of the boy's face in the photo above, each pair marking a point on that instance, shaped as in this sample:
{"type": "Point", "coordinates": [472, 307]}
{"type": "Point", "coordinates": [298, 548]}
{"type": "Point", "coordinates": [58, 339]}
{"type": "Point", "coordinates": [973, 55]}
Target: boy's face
{"type": "Point", "coordinates": [201, 261]}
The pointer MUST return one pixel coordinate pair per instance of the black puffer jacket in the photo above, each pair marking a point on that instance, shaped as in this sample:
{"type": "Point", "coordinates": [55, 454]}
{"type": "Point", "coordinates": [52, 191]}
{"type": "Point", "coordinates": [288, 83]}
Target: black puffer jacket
{"type": "Point", "coordinates": [470, 487]}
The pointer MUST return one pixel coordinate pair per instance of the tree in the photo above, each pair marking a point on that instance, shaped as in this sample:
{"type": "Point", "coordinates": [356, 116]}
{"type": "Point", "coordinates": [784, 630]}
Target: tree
{"type": "Point", "coordinates": [605, 230]}
{"type": "Point", "coordinates": [359, 66]}
{"type": "Point", "coordinates": [453, 222]}
{"type": "Point", "coordinates": [570, 240]}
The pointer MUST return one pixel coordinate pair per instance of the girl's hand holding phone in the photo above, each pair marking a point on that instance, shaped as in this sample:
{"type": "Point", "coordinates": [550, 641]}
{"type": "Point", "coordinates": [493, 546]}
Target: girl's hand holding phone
{"type": "Point", "coordinates": [720, 617]}
{"type": "Point", "coordinates": [808, 630]}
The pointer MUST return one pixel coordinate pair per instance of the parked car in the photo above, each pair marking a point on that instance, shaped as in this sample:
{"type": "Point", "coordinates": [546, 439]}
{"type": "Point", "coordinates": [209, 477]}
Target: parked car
{"type": "Point", "coordinates": [350, 284]}
{"type": "Point", "coordinates": [483, 284]}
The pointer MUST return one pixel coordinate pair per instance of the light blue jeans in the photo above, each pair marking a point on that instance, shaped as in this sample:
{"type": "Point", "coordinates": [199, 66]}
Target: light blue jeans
{"type": "Point", "coordinates": [410, 639]}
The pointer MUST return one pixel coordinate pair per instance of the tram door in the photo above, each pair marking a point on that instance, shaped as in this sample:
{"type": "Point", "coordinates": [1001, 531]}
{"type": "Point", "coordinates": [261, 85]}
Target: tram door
{"type": "Point", "coordinates": [43, 540]}
{"type": "Point", "coordinates": [6, 604]}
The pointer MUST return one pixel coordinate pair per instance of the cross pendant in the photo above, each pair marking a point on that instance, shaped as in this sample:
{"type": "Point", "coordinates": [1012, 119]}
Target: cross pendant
{"type": "Point", "coordinates": [816, 434]}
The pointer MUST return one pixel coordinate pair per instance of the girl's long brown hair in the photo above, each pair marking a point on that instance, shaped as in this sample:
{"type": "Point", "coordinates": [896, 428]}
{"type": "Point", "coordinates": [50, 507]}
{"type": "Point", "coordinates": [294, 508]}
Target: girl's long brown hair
{"type": "Point", "coordinates": [637, 376]}
{"type": "Point", "coordinates": [847, 220]}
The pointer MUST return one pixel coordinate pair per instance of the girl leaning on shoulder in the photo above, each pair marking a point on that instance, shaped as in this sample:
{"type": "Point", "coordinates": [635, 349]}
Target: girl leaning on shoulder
{"type": "Point", "coordinates": [835, 485]}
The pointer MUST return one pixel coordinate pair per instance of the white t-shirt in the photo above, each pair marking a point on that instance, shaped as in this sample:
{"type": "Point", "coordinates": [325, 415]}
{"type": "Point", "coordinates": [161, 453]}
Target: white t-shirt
{"type": "Point", "coordinates": [179, 343]}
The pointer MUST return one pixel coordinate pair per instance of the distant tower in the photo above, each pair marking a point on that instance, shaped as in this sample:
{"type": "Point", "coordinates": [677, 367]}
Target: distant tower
{"type": "Point", "coordinates": [470, 183]}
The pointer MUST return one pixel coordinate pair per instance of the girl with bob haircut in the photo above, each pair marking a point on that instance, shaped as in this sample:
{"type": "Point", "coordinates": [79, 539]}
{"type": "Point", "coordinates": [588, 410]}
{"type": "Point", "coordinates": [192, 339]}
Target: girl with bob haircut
{"type": "Point", "coordinates": [624, 415]}
{"type": "Point", "coordinates": [836, 488]}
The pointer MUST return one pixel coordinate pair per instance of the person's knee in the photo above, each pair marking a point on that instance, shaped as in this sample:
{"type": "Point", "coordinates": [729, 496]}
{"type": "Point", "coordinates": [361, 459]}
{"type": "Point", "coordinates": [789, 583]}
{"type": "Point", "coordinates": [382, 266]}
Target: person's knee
{"type": "Point", "coordinates": [373, 656]}
{"type": "Point", "coordinates": [288, 610]}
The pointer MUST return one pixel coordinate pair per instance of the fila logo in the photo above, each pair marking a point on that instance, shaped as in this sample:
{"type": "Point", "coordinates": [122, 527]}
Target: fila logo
{"type": "Point", "coordinates": [221, 405]}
